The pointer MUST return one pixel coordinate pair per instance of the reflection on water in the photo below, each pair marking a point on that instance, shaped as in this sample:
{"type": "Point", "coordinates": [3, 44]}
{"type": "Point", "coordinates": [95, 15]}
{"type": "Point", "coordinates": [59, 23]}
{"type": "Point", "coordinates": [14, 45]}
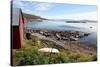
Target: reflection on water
{"type": "Point", "coordinates": [58, 25]}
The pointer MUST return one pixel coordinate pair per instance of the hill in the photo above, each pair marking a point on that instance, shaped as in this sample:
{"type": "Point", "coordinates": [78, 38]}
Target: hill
{"type": "Point", "coordinates": [30, 17]}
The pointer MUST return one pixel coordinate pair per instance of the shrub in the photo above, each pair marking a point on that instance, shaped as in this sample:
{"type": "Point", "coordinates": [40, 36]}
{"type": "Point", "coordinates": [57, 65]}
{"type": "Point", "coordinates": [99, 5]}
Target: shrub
{"type": "Point", "coordinates": [29, 55]}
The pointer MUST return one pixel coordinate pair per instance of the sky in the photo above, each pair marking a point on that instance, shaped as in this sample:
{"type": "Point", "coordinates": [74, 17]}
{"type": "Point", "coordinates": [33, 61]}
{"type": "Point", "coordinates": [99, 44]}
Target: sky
{"type": "Point", "coordinates": [58, 10]}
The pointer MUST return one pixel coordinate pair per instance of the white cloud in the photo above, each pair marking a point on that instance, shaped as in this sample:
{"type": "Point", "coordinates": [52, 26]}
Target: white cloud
{"type": "Point", "coordinates": [78, 16]}
{"type": "Point", "coordinates": [37, 7]}
{"type": "Point", "coordinates": [23, 6]}
{"type": "Point", "coordinates": [43, 6]}
{"type": "Point", "coordinates": [17, 3]}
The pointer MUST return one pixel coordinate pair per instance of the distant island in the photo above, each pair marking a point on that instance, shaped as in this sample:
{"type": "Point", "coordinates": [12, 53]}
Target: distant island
{"type": "Point", "coordinates": [74, 21]}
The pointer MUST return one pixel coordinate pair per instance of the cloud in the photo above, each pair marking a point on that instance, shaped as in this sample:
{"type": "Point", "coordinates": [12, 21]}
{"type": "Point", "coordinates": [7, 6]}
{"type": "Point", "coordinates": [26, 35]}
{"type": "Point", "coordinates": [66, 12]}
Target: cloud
{"type": "Point", "coordinates": [78, 16]}
{"type": "Point", "coordinates": [39, 8]}
{"type": "Point", "coordinates": [24, 5]}
{"type": "Point", "coordinates": [32, 7]}
{"type": "Point", "coordinates": [43, 6]}
{"type": "Point", "coordinates": [17, 3]}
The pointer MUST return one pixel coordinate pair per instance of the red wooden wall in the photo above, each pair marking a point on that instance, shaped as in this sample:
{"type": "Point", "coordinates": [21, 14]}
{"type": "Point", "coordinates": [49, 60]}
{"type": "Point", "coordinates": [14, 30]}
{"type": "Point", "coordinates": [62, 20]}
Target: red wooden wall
{"type": "Point", "coordinates": [15, 37]}
{"type": "Point", "coordinates": [17, 34]}
{"type": "Point", "coordinates": [21, 30]}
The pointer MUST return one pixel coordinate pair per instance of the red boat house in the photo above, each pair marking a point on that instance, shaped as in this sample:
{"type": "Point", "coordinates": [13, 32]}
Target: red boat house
{"type": "Point", "coordinates": [17, 27]}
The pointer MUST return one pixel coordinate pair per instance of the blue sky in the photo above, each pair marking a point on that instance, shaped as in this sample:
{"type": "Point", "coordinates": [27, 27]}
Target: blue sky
{"type": "Point", "coordinates": [57, 10]}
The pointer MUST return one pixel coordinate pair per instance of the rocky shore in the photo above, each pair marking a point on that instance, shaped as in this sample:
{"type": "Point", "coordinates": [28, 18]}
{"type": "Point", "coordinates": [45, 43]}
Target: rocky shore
{"type": "Point", "coordinates": [59, 34]}
{"type": "Point", "coordinates": [66, 39]}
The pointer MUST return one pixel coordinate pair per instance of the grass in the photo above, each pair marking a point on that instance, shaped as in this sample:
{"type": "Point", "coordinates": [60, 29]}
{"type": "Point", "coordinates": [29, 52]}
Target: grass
{"type": "Point", "coordinates": [29, 54]}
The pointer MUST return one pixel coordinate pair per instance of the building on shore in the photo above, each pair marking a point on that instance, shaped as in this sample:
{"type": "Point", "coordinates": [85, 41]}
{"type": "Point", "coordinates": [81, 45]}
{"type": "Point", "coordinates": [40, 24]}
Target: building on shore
{"type": "Point", "coordinates": [17, 28]}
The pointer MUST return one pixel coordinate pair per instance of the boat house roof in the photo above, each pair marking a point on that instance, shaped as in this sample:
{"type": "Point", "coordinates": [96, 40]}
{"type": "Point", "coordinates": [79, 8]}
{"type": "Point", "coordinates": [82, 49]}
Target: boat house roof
{"type": "Point", "coordinates": [15, 16]}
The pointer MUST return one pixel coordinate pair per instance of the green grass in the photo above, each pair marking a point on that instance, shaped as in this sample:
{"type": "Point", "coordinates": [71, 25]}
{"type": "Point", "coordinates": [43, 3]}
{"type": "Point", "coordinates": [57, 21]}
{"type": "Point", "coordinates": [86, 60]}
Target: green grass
{"type": "Point", "coordinates": [29, 54]}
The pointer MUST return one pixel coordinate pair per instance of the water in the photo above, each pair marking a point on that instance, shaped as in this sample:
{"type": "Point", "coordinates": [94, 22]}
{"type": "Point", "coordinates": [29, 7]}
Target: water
{"type": "Point", "coordinates": [61, 25]}
{"type": "Point", "coordinates": [91, 39]}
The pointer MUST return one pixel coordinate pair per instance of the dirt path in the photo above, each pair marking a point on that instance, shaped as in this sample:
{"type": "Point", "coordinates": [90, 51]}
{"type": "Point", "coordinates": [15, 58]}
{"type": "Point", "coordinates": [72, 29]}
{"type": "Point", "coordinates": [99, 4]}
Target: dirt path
{"type": "Point", "coordinates": [50, 39]}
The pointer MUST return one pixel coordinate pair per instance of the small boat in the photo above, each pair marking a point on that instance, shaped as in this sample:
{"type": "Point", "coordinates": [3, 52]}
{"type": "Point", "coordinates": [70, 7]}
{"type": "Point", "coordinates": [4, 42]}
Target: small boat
{"type": "Point", "coordinates": [49, 50]}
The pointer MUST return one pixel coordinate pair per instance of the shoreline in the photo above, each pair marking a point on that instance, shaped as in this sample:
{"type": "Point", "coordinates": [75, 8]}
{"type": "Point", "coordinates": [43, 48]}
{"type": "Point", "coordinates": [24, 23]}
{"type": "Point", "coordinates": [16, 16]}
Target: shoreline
{"type": "Point", "coordinates": [73, 45]}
